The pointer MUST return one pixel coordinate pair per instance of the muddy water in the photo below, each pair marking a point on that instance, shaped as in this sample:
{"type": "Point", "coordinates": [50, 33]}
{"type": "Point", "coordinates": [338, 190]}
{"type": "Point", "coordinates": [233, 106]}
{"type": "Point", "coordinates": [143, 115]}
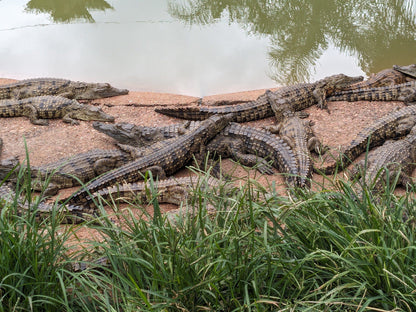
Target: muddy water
{"type": "Point", "coordinates": [203, 47]}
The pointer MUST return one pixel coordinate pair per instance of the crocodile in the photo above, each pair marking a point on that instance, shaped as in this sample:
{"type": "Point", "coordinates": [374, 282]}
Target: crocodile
{"type": "Point", "coordinates": [175, 191]}
{"type": "Point", "coordinates": [300, 95]}
{"type": "Point", "coordinates": [171, 190]}
{"type": "Point", "coordinates": [7, 165]}
{"type": "Point", "coordinates": [164, 161]}
{"type": "Point", "coordinates": [141, 136]}
{"type": "Point", "coordinates": [398, 157]}
{"type": "Point", "coordinates": [387, 77]}
{"type": "Point", "coordinates": [83, 167]}
{"type": "Point", "coordinates": [409, 70]}
{"type": "Point", "coordinates": [253, 146]}
{"type": "Point", "coordinates": [41, 108]}
{"type": "Point", "coordinates": [393, 125]}
{"type": "Point", "coordinates": [246, 144]}
{"type": "Point", "coordinates": [8, 168]}
{"type": "Point", "coordinates": [298, 134]}
{"type": "Point", "coordinates": [405, 92]}
{"type": "Point", "coordinates": [229, 147]}
{"type": "Point", "coordinates": [54, 86]}
{"type": "Point", "coordinates": [70, 171]}
{"type": "Point", "coordinates": [71, 213]}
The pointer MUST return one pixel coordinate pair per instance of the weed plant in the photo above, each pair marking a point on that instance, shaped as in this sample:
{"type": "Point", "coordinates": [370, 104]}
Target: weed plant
{"type": "Point", "coordinates": [32, 253]}
{"type": "Point", "coordinates": [326, 250]}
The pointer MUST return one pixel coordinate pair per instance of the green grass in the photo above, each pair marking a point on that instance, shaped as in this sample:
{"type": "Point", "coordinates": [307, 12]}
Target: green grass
{"type": "Point", "coordinates": [326, 250]}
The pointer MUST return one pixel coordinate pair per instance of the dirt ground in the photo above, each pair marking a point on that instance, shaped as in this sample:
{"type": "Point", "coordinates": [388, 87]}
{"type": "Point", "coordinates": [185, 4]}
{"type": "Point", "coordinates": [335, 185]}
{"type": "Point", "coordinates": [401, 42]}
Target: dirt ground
{"type": "Point", "coordinates": [50, 143]}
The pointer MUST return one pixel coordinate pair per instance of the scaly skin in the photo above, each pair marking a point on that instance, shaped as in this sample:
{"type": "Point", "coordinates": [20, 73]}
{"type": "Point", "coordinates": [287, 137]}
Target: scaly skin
{"type": "Point", "coordinates": [398, 157]}
{"type": "Point", "coordinates": [248, 145]}
{"type": "Point", "coordinates": [172, 190]}
{"type": "Point", "coordinates": [393, 125]}
{"type": "Point", "coordinates": [141, 136]}
{"type": "Point", "coordinates": [229, 147]}
{"type": "Point", "coordinates": [386, 77]}
{"type": "Point", "coordinates": [409, 70]}
{"type": "Point", "coordinates": [405, 92]}
{"type": "Point", "coordinates": [305, 95]}
{"type": "Point", "coordinates": [259, 144]}
{"type": "Point", "coordinates": [41, 108]}
{"type": "Point", "coordinates": [73, 214]}
{"type": "Point", "coordinates": [63, 87]}
{"type": "Point", "coordinates": [86, 166]}
{"type": "Point", "coordinates": [301, 96]}
{"type": "Point", "coordinates": [7, 165]}
{"type": "Point", "coordinates": [254, 110]}
{"type": "Point", "coordinates": [299, 136]}
{"type": "Point", "coordinates": [166, 160]}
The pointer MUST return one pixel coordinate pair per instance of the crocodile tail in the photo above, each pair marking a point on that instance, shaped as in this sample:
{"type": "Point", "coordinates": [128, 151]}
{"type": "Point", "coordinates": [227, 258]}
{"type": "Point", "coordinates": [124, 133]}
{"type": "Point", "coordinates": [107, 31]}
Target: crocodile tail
{"type": "Point", "coordinates": [342, 161]}
{"type": "Point", "coordinates": [304, 172]}
{"type": "Point", "coordinates": [326, 170]}
{"type": "Point", "coordinates": [190, 113]}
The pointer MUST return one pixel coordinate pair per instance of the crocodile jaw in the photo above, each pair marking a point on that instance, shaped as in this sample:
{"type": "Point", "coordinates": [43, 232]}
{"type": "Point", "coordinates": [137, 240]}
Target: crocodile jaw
{"type": "Point", "coordinates": [409, 70]}
{"type": "Point", "coordinates": [92, 113]}
{"type": "Point", "coordinates": [100, 90]}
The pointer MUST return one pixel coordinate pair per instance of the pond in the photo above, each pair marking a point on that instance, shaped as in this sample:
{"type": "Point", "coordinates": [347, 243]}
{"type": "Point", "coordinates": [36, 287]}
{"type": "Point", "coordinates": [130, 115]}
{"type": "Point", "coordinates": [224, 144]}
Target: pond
{"type": "Point", "coordinates": [203, 47]}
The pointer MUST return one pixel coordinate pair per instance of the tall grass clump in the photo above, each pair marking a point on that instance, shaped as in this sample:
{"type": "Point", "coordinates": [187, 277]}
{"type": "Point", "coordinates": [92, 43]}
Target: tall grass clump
{"type": "Point", "coordinates": [359, 247]}
{"type": "Point", "coordinates": [238, 247]}
{"type": "Point", "coordinates": [203, 261]}
{"type": "Point", "coordinates": [323, 251]}
{"type": "Point", "coordinates": [32, 253]}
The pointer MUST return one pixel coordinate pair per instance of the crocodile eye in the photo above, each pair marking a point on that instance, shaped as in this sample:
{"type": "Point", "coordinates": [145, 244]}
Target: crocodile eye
{"type": "Point", "coordinates": [103, 86]}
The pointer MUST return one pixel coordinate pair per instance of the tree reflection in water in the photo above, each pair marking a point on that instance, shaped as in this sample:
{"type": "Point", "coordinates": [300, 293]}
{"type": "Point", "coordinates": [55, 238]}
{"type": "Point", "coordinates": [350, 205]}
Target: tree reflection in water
{"type": "Point", "coordinates": [378, 33]}
{"type": "Point", "coordinates": [64, 11]}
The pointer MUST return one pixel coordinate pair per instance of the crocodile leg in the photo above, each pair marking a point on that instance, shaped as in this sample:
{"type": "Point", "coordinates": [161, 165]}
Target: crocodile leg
{"type": "Point", "coordinates": [104, 165]}
{"type": "Point", "coordinates": [320, 94]}
{"type": "Point", "coordinates": [31, 112]}
{"type": "Point", "coordinates": [251, 160]}
{"type": "Point", "coordinates": [408, 97]}
{"type": "Point", "coordinates": [156, 171]}
{"type": "Point", "coordinates": [67, 118]}
{"type": "Point", "coordinates": [357, 170]}
{"type": "Point", "coordinates": [405, 179]}
{"type": "Point", "coordinates": [226, 146]}
{"type": "Point", "coordinates": [133, 151]}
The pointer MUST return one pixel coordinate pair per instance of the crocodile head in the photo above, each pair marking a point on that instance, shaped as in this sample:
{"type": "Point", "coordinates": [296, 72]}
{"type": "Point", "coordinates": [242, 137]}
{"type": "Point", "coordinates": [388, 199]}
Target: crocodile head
{"type": "Point", "coordinates": [115, 131]}
{"type": "Point", "coordinates": [88, 112]}
{"type": "Point", "coordinates": [130, 134]}
{"type": "Point", "coordinates": [9, 168]}
{"type": "Point", "coordinates": [90, 91]}
{"type": "Point", "coordinates": [409, 70]}
{"type": "Point", "coordinates": [341, 81]}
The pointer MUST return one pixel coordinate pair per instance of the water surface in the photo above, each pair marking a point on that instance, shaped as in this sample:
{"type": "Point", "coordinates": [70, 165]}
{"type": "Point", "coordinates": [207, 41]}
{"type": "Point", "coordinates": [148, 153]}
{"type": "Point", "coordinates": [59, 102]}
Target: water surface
{"type": "Point", "coordinates": [202, 47]}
